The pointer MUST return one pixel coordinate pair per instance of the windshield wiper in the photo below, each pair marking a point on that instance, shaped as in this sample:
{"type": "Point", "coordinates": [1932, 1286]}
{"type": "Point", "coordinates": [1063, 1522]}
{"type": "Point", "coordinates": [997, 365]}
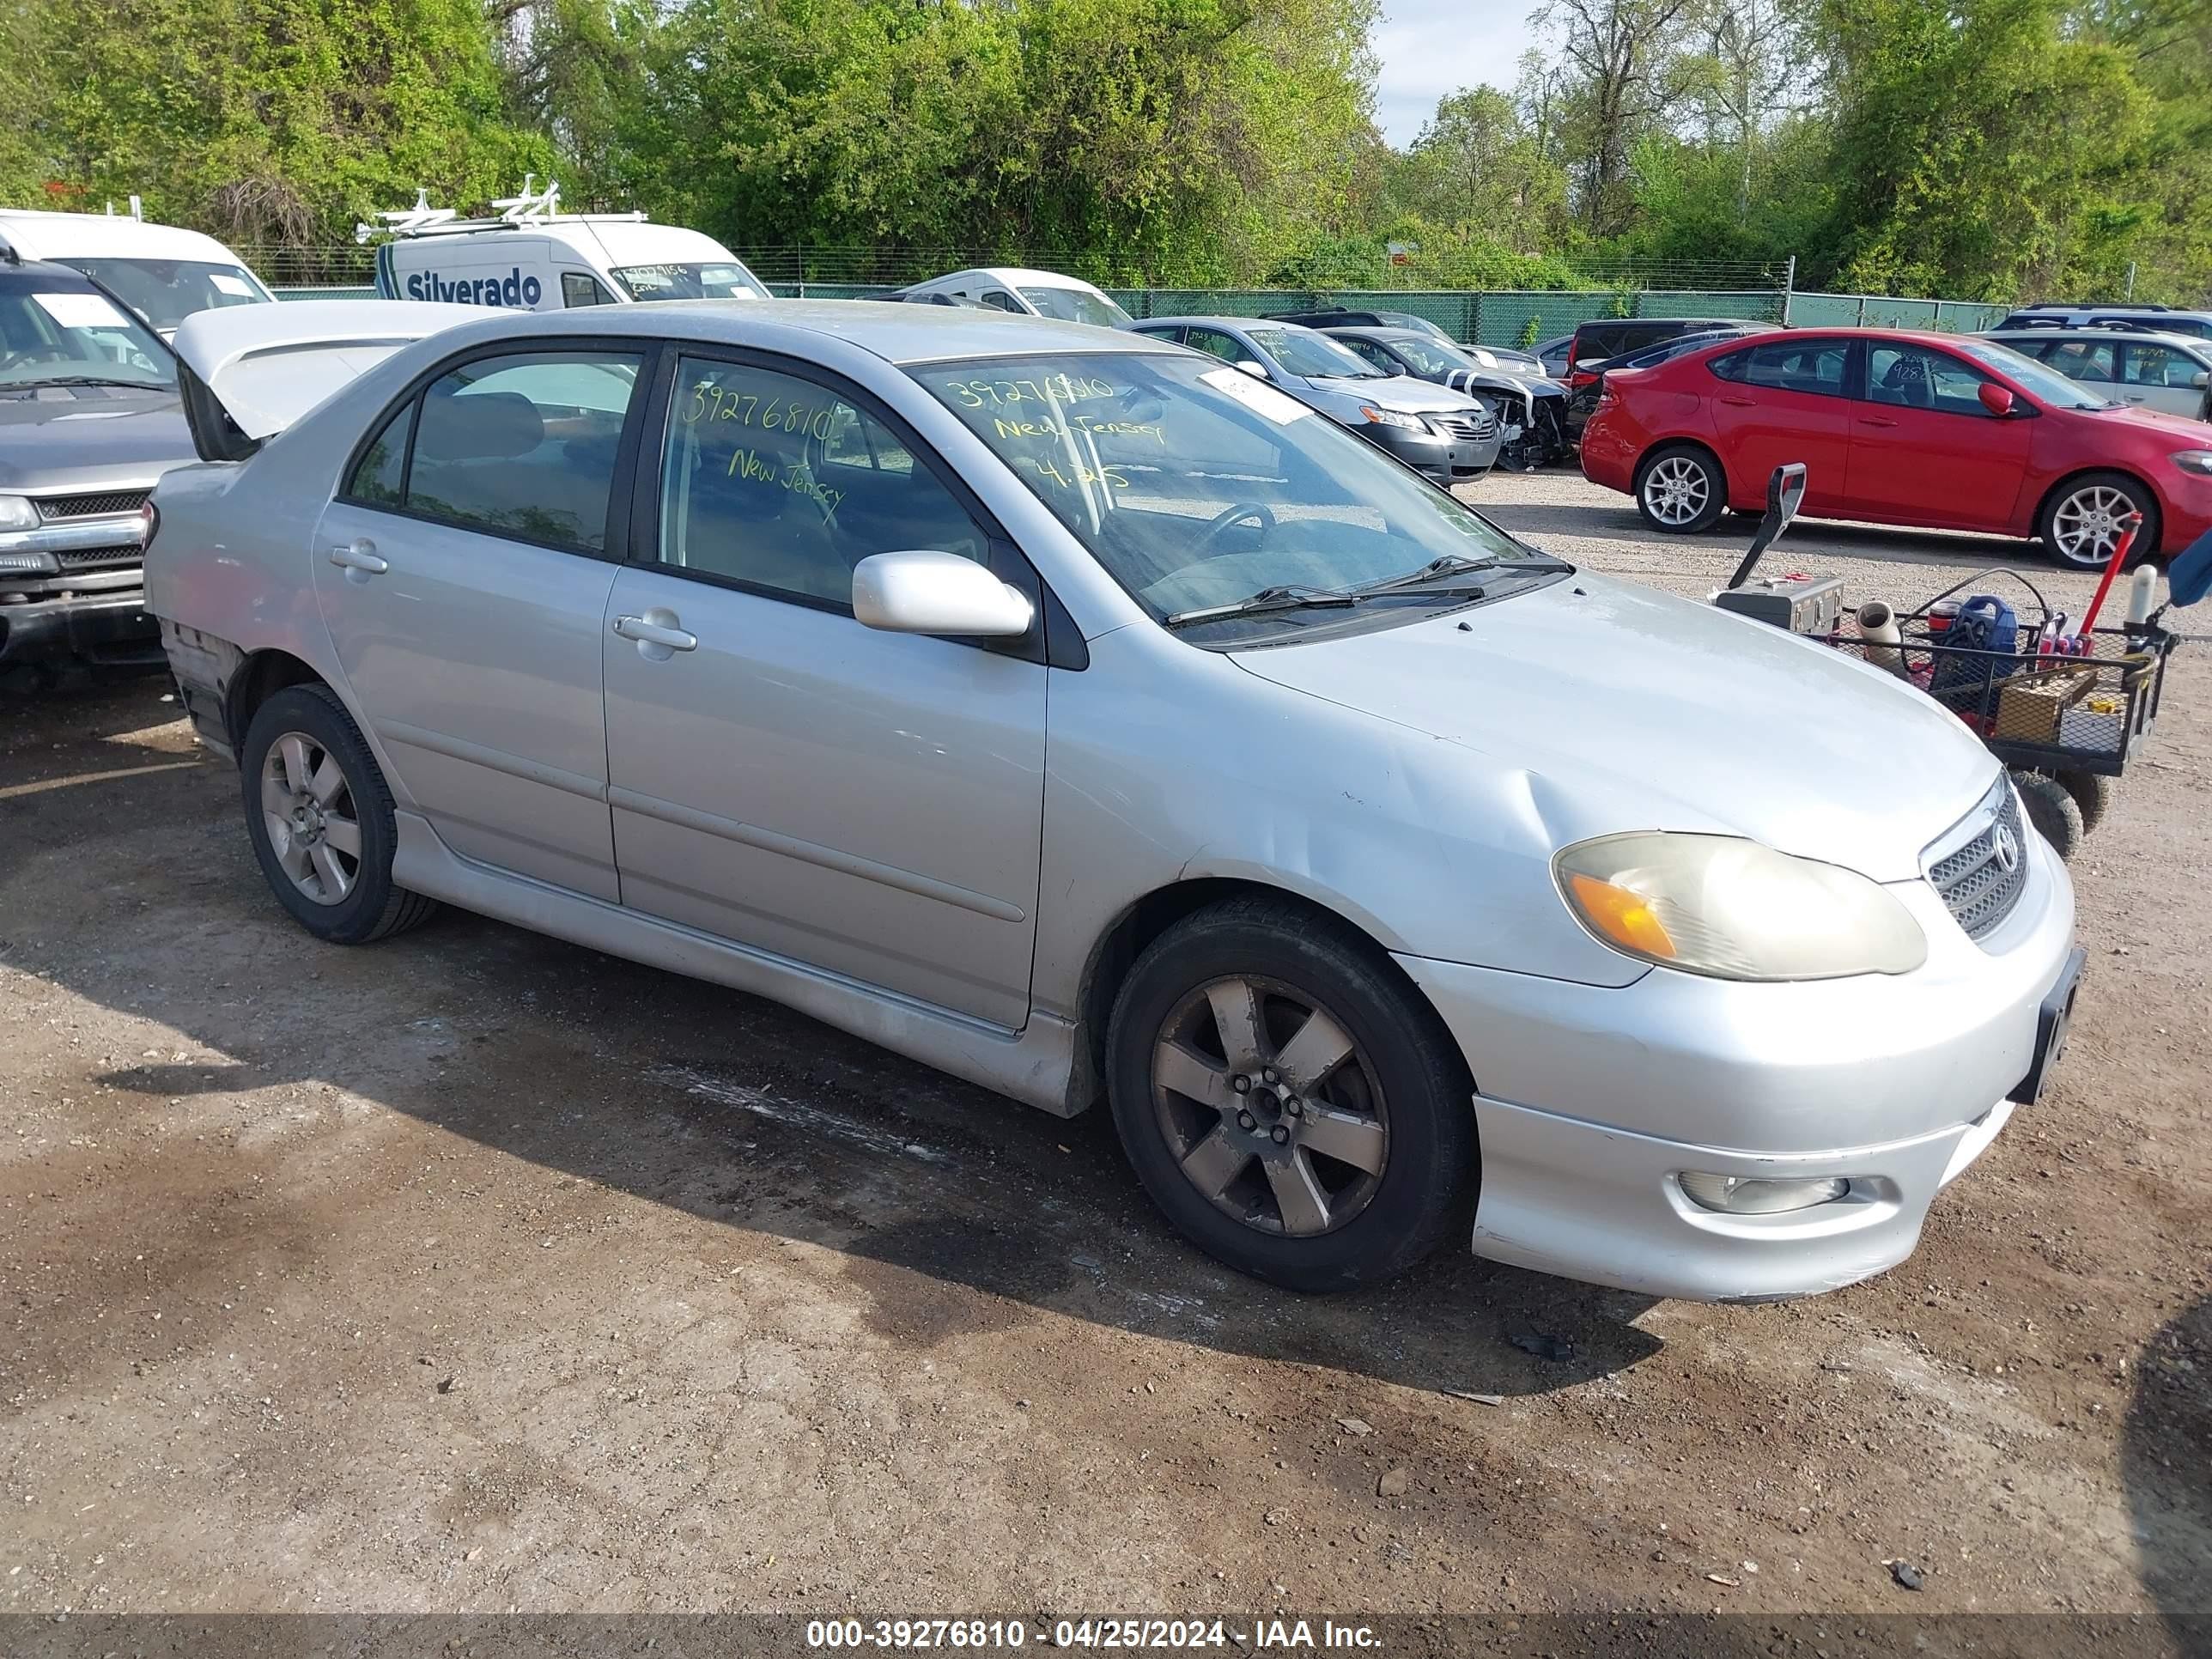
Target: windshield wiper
{"type": "Point", "coordinates": [87, 380]}
{"type": "Point", "coordinates": [1452, 566]}
{"type": "Point", "coordinates": [1284, 597]}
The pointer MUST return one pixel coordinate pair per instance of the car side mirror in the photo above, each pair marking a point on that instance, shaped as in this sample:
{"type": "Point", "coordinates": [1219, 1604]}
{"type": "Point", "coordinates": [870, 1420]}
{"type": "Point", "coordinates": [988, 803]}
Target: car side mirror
{"type": "Point", "coordinates": [1998, 399]}
{"type": "Point", "coordinates": [929, 592]}
{"type": "Point", "coordinates": [2202, 381]}
{"type": "Point", "coordinates": [1256, 370]}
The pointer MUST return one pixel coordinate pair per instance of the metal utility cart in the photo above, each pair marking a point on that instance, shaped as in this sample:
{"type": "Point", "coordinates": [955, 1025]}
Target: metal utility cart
{"type": "Point", "coordinates": [2066, 726]}
{"type": "Point", "coordinates": [2064, 712]}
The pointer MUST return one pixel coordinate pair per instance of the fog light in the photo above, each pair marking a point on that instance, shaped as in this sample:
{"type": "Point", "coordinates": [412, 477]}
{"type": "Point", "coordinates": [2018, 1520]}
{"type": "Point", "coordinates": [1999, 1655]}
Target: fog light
{"type": "Point", "coordinates": [1741, 1195]}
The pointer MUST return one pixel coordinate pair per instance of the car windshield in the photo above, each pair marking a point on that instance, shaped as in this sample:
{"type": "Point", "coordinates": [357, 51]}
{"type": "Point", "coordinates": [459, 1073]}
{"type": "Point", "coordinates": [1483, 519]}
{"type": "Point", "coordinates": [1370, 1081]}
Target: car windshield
{"type": "Point", "coordinates": [1076, 305]}
{"type": "Point", "coordinates": [1196, 485]}
{"type": "Point", "coordinates": [1300, 351]}
{"type": "Point", "coordinates": [2045, 383]}
{"type": "Point", "coordinates": [715, 279]}
{"type": "Point", "coordinates": [1430, 356]}
{"type": "Point", "coordinates": [74, 335]}
{"type": "Point", "coordinates": [167, 291]}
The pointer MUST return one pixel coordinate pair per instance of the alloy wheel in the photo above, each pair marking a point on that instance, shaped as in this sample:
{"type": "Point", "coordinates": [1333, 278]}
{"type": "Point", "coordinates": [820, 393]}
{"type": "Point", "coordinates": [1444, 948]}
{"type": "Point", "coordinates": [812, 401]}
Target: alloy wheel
{"type": "Point", "coordinates": [2085, 527]}
{"type": "Point", "coordinates": [307, 808]}
{"type": "Point", "coordinates": [1676, 490]}
{"type": "Point", "coordinates": [1269, 1107]}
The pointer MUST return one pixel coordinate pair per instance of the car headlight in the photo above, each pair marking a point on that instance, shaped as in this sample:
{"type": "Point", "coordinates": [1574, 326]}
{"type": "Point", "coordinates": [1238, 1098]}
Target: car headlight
{"type": "Point", "coordinates": [17, 513]}
{"type": "Point", "coordinates": [1730, 909]}
{"type": "Point", "coordinates": [1392, 418]}
{"type": "Point", "coordinates": [2198, 461]}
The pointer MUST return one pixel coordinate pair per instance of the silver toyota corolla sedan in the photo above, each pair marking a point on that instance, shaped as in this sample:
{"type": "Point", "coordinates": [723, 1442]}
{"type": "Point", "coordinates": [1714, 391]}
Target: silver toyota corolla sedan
{"type": "Point", "coordinates": [1078, 714]}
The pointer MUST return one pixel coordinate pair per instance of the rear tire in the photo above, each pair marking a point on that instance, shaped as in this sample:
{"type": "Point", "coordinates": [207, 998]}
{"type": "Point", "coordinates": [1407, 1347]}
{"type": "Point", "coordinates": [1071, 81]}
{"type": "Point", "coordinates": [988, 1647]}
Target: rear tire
{"type": "Point", "coordinates": [2052, 810]}
{"type": "Point", "coordinates": [1680, 489]}
{"type": "Point", "coordinates": [1316, 1162]}
{"type": "Point", "coordinates": [2075, 522]}
{"type": "Point", "coordinates": [320, 817]}
{"type": "Point", "coordinates": [2093, 794]}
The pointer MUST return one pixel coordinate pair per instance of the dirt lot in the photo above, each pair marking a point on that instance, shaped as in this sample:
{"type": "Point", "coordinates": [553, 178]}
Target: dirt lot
{"type": "Point", "coordinates": [474, 1271]}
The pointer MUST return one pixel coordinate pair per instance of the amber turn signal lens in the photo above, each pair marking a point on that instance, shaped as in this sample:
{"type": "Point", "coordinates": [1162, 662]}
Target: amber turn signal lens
{"type": "Point", "coordinates": [1622, 916]}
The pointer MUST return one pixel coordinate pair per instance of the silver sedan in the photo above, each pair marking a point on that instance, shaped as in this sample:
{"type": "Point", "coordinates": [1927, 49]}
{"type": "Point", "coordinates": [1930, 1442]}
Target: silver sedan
{"type": "Point", "coordinates": [1080, 716]}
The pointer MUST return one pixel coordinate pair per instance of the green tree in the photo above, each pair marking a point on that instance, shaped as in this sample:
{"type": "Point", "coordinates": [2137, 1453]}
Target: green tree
{"type": "Point", "coordinates": [1983, 149]}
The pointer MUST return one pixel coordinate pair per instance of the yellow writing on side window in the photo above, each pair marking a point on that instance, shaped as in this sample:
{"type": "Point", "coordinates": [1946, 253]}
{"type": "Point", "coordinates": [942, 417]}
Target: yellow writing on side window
{"type": "Point", "coordinates": [750, 465]}
{"type": "Point", "coordinates": [710, 401]}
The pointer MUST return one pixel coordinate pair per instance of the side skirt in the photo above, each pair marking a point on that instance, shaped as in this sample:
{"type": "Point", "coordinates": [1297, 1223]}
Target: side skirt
{"type": "Point", "coordinates": [1035, 1064]}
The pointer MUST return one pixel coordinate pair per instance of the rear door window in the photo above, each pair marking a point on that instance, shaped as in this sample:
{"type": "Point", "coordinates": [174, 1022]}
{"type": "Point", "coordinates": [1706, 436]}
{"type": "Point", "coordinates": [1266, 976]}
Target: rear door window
{"type": "Point", "coordinates": [1817, 367]}
{"type": "Point", "coordinates": [524, 446]}
{"type": "Point", "coordinates": [2083, 359]}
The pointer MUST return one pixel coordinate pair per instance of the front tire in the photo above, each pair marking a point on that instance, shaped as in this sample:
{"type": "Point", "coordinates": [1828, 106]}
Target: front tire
{"type": "Point", "coordinates": [2078, 524]}
{"type": "Point", "coordinates": [319, 815]}
{"type": "Point", "coordinates": [1680, 490]}
{"type": "Point", "coordinates": [1288, 1100]}
{"type": "Point", "coordinates": [2053, 811]}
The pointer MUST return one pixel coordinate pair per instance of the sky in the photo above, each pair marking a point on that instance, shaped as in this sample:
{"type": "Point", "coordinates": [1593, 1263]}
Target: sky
{"type": "Point", "coordinates": [1430, 47]}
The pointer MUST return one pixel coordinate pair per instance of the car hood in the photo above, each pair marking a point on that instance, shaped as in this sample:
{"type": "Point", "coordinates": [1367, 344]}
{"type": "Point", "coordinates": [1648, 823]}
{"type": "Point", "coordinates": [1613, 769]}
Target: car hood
{"type": "Point", "coordinates": [1499, 380]}
{"type": "Point", "coordinates": [1398, 391]}
{"type": "Point", "coordinates": [2159, 422]}
{"type": "Point", "coordinates": [67, 437]}
{"type": "Point", "coordinates": [1626, 708]}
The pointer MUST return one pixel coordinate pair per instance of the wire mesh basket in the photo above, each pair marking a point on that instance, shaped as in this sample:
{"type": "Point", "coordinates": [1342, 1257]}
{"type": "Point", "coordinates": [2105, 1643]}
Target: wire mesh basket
{"type": "Point", "coordinates": [2033, 708]}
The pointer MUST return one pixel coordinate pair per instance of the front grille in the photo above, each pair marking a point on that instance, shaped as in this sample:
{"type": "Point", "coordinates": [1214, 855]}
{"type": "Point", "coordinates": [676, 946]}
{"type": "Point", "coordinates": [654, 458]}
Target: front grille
{"type": "Point", "coordinates": [92, 558]}
{"type": "Point", "coordinates": [1472, 427]}
{"type": "Point", "coordinates": [1977, 886]}
{"type": "Point", "coordinates": [92, 506]}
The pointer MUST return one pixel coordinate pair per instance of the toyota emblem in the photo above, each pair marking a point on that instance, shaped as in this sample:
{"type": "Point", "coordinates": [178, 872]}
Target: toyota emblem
{"type": "Point", "coordinates": [2004, 848]}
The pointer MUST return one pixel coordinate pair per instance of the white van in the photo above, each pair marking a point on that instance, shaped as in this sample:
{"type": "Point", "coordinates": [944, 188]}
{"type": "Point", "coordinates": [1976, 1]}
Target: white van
{"type": "Point", "coordinates": [534, 257]}
{"type": "Point", "coordinates": [1029, 292]}
{"type": "Point", "coordinates": [162, 273]}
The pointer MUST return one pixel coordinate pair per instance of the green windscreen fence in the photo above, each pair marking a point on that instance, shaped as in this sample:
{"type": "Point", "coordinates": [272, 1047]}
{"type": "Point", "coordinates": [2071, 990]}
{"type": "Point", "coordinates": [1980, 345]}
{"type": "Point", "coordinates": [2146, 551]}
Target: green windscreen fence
{"type": "Point", "coordinates": [1493, 318]}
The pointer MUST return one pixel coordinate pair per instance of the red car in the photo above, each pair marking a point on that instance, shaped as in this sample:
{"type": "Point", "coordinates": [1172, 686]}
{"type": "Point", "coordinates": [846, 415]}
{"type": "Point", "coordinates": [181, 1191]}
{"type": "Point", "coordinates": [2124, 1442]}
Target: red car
{"type": "Point", "coordinates": [1946, 432]}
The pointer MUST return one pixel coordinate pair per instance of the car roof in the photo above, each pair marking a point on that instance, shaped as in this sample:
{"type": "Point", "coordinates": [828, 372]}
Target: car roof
{"type": "Point", "coordinates": [1242, 324]}
{"type": "Point", "coordinates": [2094, 336]}
{"type": "Point", "coordinates": [45, 275]}
{"type": "Point", "coordinates": [1013, 277]}
{"type": "Point", "coordinates": [897, 332]}
{"type": "Point", "coordinates": [1381, 331]}
{"type": "Point", "coordinates": [107, 236]}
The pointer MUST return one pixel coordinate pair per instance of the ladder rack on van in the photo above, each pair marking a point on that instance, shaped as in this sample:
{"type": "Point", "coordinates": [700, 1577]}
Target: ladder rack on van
{"type": "Point", "coordinates": [532, 206]}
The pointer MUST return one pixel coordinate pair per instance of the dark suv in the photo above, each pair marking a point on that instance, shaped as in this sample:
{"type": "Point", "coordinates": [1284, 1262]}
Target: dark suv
{"type": "Point", "coordinates": [1616, 337]}
{"type": "Point", "coordinates": [89, 418]}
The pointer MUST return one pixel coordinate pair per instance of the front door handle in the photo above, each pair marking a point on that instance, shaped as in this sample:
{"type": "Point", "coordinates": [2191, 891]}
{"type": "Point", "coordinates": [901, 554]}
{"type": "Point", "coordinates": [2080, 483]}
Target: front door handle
{"type": "Point", "coordinates": [360, 556]}
{"type": "Point", "coordinates": [1877, 420]}
{"type": "Point", "coordinates": [656, 632]}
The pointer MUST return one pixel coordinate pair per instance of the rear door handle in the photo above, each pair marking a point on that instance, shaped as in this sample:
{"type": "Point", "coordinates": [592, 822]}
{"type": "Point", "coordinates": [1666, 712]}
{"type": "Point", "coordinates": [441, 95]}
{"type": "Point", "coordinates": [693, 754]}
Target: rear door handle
{"type": "Point", "coordinates": [657, 627]}
{"type": "Point", "coordinates": [1877, 420]}
{"type": "Point", "coordinates": [1740, 403]}
{"type": "Point", "coordinates": [360, 556]}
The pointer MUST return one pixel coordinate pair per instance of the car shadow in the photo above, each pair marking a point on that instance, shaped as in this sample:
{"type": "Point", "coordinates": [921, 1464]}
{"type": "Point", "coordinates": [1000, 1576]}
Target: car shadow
{"type": "Point", "coordinates": [2168, 1432]}
{"type": "Point", "coordinates": [954, 1207]}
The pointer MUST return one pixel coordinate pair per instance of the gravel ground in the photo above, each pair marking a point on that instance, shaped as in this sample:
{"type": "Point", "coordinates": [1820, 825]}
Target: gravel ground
{"type": "Point", "coordinates": [474, 1271]}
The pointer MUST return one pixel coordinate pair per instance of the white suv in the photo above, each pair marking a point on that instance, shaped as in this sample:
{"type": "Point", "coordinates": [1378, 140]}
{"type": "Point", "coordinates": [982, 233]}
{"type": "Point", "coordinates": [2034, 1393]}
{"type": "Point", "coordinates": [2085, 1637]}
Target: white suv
{"type": "Point", "coordinates": [2171, 372]}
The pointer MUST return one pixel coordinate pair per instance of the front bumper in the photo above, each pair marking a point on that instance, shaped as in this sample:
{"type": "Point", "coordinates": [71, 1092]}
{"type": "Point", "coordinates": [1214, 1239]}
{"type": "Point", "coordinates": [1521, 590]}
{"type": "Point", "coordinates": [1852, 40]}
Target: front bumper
{"type": "Point", "coordinates": [1446, 461]}
{"type": "Point", "coordinates": [1592, 1103]}
{"type": "Point", "coordinates": [110, 627]}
